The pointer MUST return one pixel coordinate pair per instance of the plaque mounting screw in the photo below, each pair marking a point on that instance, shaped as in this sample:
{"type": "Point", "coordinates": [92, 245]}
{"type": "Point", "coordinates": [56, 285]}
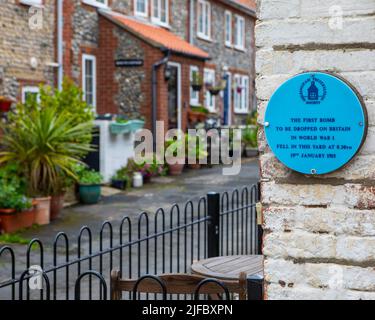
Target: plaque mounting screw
{"type": "Point", "coordinates": [361, 124]}
{"type": "Point", "coordinates": [313, 171]}
{"type": "Point", "coordinates": [267, 124]}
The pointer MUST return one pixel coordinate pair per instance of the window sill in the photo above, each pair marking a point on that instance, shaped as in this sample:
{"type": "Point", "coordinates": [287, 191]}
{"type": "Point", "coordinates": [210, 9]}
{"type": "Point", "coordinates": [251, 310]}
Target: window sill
{"type": "Point", "coordinates": [161, 24]}
{"type": "Point", "coordinates": [95, 4]}
{"type": "Point", "coordinates": [242, 49]}
{"type": "Point", "coordinates": [229, 45]}
{"type": "Point", "coordinates": [241, 112]}
{"type": "Point", "coordinates": [141, 15]}
{"type": "Point", "coordinates": [195, 104]}
{"type": "Point", "coordinates": [204, 37]}
{"type": "Point", "coordinates": [31, 3]}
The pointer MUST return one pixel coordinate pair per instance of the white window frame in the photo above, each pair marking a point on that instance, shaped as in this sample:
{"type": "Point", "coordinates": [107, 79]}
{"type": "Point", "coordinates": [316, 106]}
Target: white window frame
{"type": "Point", "coordinates": [209, 99]}
{"type": "Point", "coordinates": [157, 20]}
{"type": "Point", "coordinates": [96, 3]}
{"type": "Point", "coordinates": [194, 95]}
{"type": "Point", "coordinates": [205, 34]}
{"type": "Point", "coordinates": [228, 28]}
{"type": "Point", "coordinates": [241, 100]}
{"type": "Point", "coordinates": [140, 13]}
{"type": "Point", "coordinates": [30, 89]}
{"type": "Point", "coordinates": [239, 33]}
{"type": "Point", "coordinates": [92, 58]}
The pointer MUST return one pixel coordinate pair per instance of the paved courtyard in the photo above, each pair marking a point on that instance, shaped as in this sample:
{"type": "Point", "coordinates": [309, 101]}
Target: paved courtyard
{"type": "Point", "coordinates": [162, 192]}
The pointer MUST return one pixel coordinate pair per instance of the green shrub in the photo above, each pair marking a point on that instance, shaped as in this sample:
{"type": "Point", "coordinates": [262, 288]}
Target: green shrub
{"type": "Point", "coordinates": [250, 136]}
{"type": "Point", "coordinates": [46, 144]}
{"type": "Point", "coordinates": [10, 198]}
{"type": "Point", "coordinates": [87, 176]}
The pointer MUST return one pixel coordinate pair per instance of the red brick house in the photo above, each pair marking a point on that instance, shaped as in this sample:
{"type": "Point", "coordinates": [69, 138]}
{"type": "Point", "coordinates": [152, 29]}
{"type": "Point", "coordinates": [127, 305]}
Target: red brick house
{"type": "Point", "coordinates": [111, 47]}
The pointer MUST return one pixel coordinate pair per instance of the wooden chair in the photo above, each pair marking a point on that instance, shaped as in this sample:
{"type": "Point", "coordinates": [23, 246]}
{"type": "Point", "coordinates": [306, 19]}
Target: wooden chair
{"type": "Point", "coordinates": [177, 284]}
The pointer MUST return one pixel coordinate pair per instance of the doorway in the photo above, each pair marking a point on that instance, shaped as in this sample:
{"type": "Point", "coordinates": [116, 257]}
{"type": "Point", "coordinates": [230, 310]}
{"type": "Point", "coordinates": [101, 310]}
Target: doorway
{"type": "Point", "coordinates": [174, 96]}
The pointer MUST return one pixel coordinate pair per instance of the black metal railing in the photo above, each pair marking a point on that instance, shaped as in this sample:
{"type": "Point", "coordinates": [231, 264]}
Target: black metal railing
{"type": "Point", "coordinates": [167, 241]}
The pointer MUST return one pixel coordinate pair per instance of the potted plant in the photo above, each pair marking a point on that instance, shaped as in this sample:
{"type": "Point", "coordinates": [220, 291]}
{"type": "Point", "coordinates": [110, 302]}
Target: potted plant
{"type": "Point", "coordinates": [147, 169]}
{"type": "Point", "coordinates": [174, 146]}
{"type": "Point", "coordinates": [137, 124]}
{"type": "Point", "coordinates": [198, 151]}
{"type": "Point", "coordinates": [16, 210]}
{"type": "Point", "coordinates": [5, 104]}
{"type": "Point", "coordinates": [250, 139]}
{"type": "Point", "coordinates": [197, 114]}
{"type": "Point", "coordinates": [197, 81]}
{"type": "Point", "coordinates": [58, 196]}
{"type": "Point", "coordinates": [89, 182]}
{"type": "Point", "coordinates": [123, 125]}
{"type": "Point", "coordinates": [122, 179]}
{"type": "Point", "coordinates": [120, 126]}
{"type": "Point", "coordinates": [215, 90]}
{"type": "Point", "coordinates": [45, 142]}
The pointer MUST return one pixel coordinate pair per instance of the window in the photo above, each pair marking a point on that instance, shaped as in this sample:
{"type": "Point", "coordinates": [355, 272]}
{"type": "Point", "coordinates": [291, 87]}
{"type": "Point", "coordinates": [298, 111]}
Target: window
{"type": "Point", "coordinates": [160, 11]}
{"type": "Point", "coordinates": [194, 95]}
{"type": "Point", "coordinates": [228, 28]}
{"type": "Point", "coordinates": [32, 2]}
{"type": "Point", "coordinates": [204, 19]}
{"type": "Point", "coordinates": [89, 79]}
{"type": "Point", "coordinates": [209, 80]}
{"type": "Point", "coordinates": [239, 33]}
{"type": "Point", "coordinates": [30, 93]}
{"type": "Point", "coordinates": [241, 94]}
{"type": "Point", "coordinates": [97, 3]}
{"type": "Point", "coordinates": [141, 8]}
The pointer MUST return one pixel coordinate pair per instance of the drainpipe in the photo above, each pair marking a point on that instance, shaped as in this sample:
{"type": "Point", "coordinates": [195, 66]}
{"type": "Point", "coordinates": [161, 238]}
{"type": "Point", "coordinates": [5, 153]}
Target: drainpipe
{"type": "Point", "coordinates": [191, 22]}
{"type": "Point", "coordinates": [155, 68]}
{"type": "Point", "coordinates": [60, 72]}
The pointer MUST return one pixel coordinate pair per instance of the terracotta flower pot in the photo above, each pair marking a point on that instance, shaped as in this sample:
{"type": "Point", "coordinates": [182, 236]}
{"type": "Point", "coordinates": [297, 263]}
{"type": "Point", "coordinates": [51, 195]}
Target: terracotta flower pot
{"type": "Point", "coordinates": [12, 221]}
{"type": "Point", "coordinates": [57, 204]}
{"type": "Point", "coordinates": [176, 169]}
{"type": "Point", "coordinates": [9, 220]}
{"type": "Point", "coordinates": [43, 211]}
{"type": "Point", "coordinates": [28, 217]}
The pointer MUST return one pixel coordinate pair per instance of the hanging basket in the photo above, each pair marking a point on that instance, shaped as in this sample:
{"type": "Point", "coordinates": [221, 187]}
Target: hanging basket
{"type": "Point", "coordinates": [197, 87]}
{"type": "Point", "coordinates": [215, 91]}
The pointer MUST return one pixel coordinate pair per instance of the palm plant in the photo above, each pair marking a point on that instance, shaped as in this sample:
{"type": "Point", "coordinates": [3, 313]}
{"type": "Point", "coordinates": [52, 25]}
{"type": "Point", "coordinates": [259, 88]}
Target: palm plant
{"type": "Point", "coordinates": [46, 144]}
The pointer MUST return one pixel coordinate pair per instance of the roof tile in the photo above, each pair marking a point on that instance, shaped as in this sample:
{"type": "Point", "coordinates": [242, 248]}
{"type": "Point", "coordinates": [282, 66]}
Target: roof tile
{"type": "Point", "coordinates": [157, 36]}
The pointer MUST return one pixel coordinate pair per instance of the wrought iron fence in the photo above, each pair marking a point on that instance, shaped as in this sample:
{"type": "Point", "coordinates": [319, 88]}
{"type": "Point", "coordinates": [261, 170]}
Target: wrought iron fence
{"type": "Point", "coordinates": [164, 242]}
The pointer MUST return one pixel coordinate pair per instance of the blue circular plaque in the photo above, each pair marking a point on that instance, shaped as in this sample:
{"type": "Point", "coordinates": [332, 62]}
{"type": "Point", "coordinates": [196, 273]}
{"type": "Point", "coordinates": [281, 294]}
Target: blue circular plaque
{"type": "Point", "coordinates": [315, 123]}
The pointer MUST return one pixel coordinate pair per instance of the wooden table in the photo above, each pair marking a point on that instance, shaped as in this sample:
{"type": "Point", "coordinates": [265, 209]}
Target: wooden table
{"type": "Point", "coordinates": [229, 267]}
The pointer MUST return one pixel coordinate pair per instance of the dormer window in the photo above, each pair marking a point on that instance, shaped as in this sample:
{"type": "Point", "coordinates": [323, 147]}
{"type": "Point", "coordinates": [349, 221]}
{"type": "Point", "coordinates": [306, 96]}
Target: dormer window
{"type": "Point", "coordinates": [160, 12]}
{"type": "Point", "coordinates": [141, 8]}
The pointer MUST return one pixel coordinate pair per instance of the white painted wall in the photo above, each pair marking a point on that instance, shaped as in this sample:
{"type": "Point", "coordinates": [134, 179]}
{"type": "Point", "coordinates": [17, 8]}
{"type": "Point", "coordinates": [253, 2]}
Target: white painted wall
{"type": "Point", "coordinates": [115, 150]}
{"type": "Point", "coordinates": [319, 232]}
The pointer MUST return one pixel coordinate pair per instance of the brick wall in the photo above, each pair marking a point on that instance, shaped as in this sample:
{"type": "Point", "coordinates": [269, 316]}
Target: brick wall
{"type": "Point", "coordinates": [19, 44]}
{"type": "Point", "coordinates": [129, 90]}
{"type": "Point", "coordinates": [319, 232]}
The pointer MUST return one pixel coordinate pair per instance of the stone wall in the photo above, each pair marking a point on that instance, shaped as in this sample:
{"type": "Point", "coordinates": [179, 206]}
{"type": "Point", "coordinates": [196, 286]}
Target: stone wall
{"type": "Point", "coordinates": [19, 44]}
{"type": "Point", "coordinates": [237, 62]}
{"type": "Point", "coordinates": [130, 94]}
{"type": "Point", "coordinates": [319, 232]}
{"type": "Point", "coordinates": [178, 14]}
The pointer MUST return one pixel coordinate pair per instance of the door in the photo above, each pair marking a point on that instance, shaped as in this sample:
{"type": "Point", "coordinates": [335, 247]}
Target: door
{"type": "Point", "coordinates": [227, 100]}
{"type": "Point", "coordinates": [174, 96]}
